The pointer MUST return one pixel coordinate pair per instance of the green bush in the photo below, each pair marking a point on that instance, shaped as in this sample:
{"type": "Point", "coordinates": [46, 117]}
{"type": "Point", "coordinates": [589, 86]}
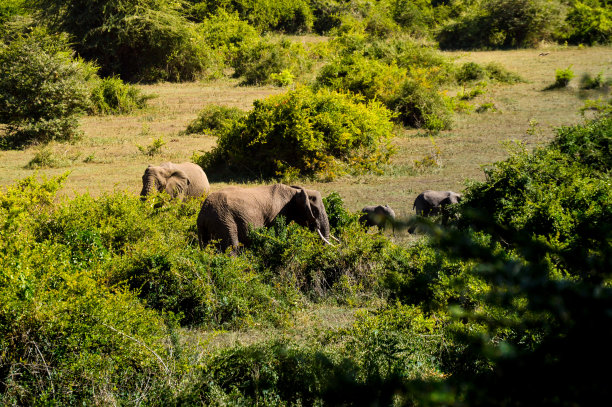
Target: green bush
{"type": "Point", "coordinates": [471, 71]}
{"type": "Point", "coordinates": [11, 8]}
{"type": "Point", "coordinates": [503, 24]}
{"type": "Point", "coordinates": [371, 78]}
{"type": "Point", "coordinates": [562, 78]}
{"type": "Point", "coordinates": [587, 81]}
{"type": "Point", "coordinates": [66, 337]}
{"type": "Point", "coordinates": [419, 104]}
{"type": "Point", "coordinates": [258, 60]}
{"type": "Point", "coordinates": [558, 194]}
{"type": "Point", "coordinates": [226, 33]}
{"type": "Point", "coordinates": [152, 32]}
{"type": "Point", "coordinates": [307, 133]}
{"type": "Point", "coordinates": [43, 89]}
{"type": "Point", "coordinates": [112, 96]}
{"type": "Point", "coordinates": [267, 15]}
{"type": "Point", "coordinates": [214, 118]}
{"type": "Point", "coordinates": [589, 24]}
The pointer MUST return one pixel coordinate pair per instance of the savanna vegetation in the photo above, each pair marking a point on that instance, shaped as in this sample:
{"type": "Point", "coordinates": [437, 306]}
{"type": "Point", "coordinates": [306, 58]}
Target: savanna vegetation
{"type": "Point", "coordinates": [505, 299]}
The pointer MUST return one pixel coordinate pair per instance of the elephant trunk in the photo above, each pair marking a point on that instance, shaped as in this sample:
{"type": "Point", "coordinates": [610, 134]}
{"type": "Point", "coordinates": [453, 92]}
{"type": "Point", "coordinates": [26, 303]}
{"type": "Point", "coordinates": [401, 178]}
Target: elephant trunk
{"type": "Point", "coordinates": [148, 185]}
{"type": "Point", "coordinates": [323, 228]}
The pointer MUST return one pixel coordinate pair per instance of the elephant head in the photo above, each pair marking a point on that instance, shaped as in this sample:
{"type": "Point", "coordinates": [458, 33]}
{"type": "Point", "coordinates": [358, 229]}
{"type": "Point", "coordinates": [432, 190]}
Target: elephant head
{"type": "Point", "coordinates": [306, 209]}
{"type": "Point", "coordinates": [164, 178]}
{"type": "Point", "coordinates": [228, 214]}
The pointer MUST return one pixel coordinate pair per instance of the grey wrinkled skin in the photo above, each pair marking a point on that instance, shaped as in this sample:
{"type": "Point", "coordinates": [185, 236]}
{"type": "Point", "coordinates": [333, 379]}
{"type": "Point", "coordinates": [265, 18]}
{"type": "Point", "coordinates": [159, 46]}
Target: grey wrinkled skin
{"type": "Point", "coordinates": [378, 215]}
{"type": "Point", "coordinates": [178, 180]}
{"type": "Point", "coordinates": [431, 202]}
{"type": "Point", "coordinates": [227, 214]}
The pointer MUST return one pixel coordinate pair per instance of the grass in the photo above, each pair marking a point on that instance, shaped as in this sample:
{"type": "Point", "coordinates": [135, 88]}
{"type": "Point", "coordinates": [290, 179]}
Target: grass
{"type": "Point", "coordinates": [475, 140]}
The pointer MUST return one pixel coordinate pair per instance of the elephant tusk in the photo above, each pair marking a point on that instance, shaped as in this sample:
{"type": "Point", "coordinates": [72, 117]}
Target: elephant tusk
{"type": "Point", "coordinates": [323, 237]}
{"type": "Point", "coordinates": [335, 238]}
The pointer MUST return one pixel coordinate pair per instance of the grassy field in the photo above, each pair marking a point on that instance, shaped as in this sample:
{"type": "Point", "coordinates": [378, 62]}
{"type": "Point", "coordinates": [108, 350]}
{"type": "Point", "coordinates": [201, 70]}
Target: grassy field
{"type": "Point", "coordinates": [107, 157]}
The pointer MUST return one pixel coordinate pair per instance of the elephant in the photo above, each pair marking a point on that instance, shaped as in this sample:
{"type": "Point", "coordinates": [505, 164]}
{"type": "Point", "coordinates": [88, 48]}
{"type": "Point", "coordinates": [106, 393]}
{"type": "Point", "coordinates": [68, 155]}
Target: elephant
{"type": "Point", "coordinates": [432, 202]}
{"type": "Point", "coordinates": [378, 215]}
{"type": "Point", "coordinates": [178, 180]}
{"type": "Point", "coordinates": [227, 214]}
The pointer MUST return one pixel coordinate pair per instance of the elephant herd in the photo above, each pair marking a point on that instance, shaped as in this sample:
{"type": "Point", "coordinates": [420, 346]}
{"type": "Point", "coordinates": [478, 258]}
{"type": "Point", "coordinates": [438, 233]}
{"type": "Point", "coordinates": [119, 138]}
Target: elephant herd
{"type": "Point", "coordinates": [227, 214]}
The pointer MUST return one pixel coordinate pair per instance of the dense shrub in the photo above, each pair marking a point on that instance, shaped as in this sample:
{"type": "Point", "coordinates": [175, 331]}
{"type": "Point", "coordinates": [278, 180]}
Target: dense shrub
{"type": "Point", "coordinates": [267, 15]}
{"type": "Point", "coordinates": [43, 89]}
{"type": "Point", "coordinates": [226, 33]}
{"type": "Point", "coordinates": [67, 338]}
{"type": "Point", "coordinates": [10, 8]}
{"type": "Point", "coordinates": [503, 24]}
{"type": "Point", "coordinates": [258, 60]}
{"type": "Point", "coordinates": [589, 23]}
{"type": "Point", "coordinates": [113, 96]}
{"type": "Point", "coordinates": [303, 132]}
{"type": "Point", "coordinates": [471, 71]}
{"type": "Point", "coordinates": [371, 78]}
{"type": "Point", "coordinates": [420, 104]}
{"type": "Point", "coordinates": [214, 118]}
{"type": "Point", "coordinates": [152, 32]}
{"type": "Point", "coordinates": [556, 193]}
{"type": "Point", "coordinates": [368, 363]}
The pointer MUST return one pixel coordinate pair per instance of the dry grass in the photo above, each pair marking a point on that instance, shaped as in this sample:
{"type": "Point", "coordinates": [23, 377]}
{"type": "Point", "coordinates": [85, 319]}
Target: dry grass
{"type": "Point", "coordinates": [108, 158]}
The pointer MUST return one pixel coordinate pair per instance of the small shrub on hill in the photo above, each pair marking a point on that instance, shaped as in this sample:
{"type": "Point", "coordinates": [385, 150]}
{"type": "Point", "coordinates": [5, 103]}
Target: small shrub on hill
{"type": "Point", "coordinates": [588, 81]}
{"type": "Point", "coordinates": [214, 118]}
{"type": "Point", "coordinates": [43, 89]}
{"type": "Point", "coordinates": [562, 78]}
{"type": "Point", "coordinates": [306, 133]}
{"type": "Point", "coordinates": [112, 96]}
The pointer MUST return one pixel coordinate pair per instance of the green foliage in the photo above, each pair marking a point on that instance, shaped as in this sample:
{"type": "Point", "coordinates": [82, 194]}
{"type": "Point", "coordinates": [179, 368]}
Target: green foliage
{"type": "Point", "coordinates": [360, 365]}
{"type": "Point", "coordinates": [558, 194]}
{"type": "Point", "coordinates": [502, 24]}
{"type": "Point", "coordinates": [214, 118]}
{"type": "Point", "coordinates": [226, 33]}
{"type": "Point", "coordinates": [112, 96]}
{"type": "Point", "coordinates": [358, 74]}
{"type": "Point", "coordinates": [339, 217]}
{"type": "Point", "coordinates": [67, 338]}
{"type": "Point", "coordinates": [258, 60]}
{"type": "Point", "coordinates": [115, 34]}
{"type": "Point", "coordinates": [43, 89]}
{"type": "Point", "coordinates": [405, 77]}
{"type": "Point", "coordinates": [267, 15]}
{"type": "Point", "coordinates": [587, 81]}
{"type": "Point", "coordinates": [154, 148]}
{"type": "Point", "coordinates": [45, 158]}
{"type": "Point", "coordinates": [308, 133]}
{"type": "Point", "coordinates": [589, 24]}
{"type": "Point", "coordinates": [419, 104]}
{"type": "Point", "coordinates": [11, 8]}
{"type": "Point", "coordinates": [562, 78]}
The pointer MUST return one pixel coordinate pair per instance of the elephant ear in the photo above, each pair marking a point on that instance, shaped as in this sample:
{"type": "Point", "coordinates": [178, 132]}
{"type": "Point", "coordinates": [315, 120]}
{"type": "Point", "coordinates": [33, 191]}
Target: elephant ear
{"type": "Point", "coordinates": [177, 182]}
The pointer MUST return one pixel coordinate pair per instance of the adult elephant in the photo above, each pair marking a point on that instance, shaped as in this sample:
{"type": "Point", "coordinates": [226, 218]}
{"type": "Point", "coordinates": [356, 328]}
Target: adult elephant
{"type": "Point", "coordinates": [178, 180]}
{"type": "Point", "coordinates": [431, 202]}
{"type": "Point", "coordinates": [377, 215]}
{"type": "Point", "coordinates": [227, 214]}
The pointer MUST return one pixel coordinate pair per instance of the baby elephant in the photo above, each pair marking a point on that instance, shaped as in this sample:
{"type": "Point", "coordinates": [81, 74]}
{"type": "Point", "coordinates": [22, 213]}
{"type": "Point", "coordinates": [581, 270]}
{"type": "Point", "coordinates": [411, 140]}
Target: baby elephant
{"type": "Point", "coordinates": [431, 202]}
{"type": "Point", "coordinates": [378, 215]}
{"type": "Point", "coordinates": [178, 180]}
